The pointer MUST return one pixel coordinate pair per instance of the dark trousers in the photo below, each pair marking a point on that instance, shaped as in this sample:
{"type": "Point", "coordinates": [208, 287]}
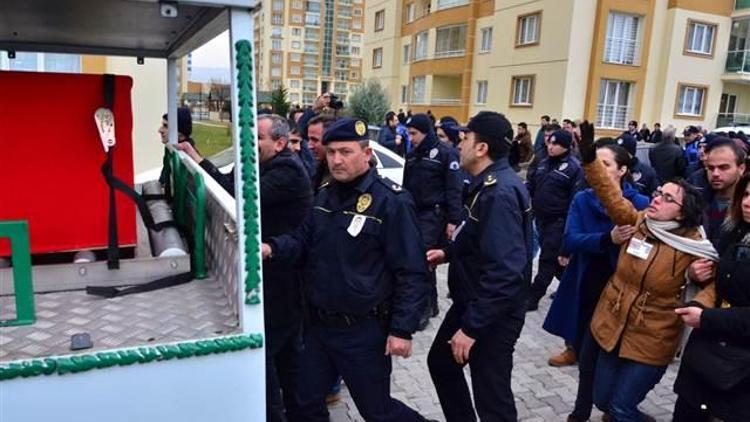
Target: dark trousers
{"type": "Point", "coordinates": [432, 223]}
{"type": "Point", "coordinates": [490, 362]}
{"type": "Point", "coordinates": [358, 354]}
{"type": "Point", "coordinates": [685, 411]}
{"type": "Point", "coordinates": [551, 237]}
{"type": "Point", "coordinates": [587, 352]}
{"type": "Point", "coordinates": [283, 353]}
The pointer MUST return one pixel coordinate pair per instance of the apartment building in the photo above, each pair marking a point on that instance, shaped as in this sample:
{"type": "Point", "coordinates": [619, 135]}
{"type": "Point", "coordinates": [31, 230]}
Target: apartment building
{"type": "Point", "coordinates": [149, 91]}
{"type": "Point", "coordinates": [309, 47]}
{"type": "Point", "coordinates": [675, 62]}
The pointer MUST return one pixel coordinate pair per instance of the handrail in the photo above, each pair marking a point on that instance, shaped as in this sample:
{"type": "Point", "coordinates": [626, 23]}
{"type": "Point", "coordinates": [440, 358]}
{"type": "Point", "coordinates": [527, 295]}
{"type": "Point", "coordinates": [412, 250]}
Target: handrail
{"type": "Point", "coordinates": [23, 288]}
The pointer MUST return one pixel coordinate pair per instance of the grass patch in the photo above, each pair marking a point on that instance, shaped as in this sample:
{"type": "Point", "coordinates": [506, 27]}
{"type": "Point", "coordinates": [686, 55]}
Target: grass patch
{"type": "Point", "coordinates": [211, 139]}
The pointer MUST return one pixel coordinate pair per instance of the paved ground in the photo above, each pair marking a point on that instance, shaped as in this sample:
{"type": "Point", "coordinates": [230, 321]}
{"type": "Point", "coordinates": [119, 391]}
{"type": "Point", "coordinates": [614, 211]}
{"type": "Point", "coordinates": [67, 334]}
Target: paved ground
{"type": "Point", "coordinates": [542, 393]}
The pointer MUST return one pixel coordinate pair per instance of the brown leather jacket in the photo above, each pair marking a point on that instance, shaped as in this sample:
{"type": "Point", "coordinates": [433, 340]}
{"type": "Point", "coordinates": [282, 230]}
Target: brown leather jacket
{"type": "Point", "coordinates": [636, 308]}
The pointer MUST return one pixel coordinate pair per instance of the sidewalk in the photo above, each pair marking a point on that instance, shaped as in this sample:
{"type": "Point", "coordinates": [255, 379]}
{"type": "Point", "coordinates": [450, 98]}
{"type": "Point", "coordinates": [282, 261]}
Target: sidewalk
{"type": "Point", "coordinates": [543, 393]}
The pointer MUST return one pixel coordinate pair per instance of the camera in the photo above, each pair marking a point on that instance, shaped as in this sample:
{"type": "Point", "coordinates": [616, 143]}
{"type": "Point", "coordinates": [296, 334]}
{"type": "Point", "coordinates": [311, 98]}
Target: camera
{"type": "Point", "coordinates": [335, 102]}
{"type": "Point", "coordinates": [168, 9]}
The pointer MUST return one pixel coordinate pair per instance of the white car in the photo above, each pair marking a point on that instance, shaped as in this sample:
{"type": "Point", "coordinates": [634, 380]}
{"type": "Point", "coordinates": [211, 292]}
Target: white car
{"type": "Point", "coordinates": [741, 128]}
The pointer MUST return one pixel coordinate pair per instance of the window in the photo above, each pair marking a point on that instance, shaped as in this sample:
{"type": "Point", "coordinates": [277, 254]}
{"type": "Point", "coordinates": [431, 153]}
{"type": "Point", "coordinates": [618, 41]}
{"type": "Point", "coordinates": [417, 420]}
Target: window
{"type": "Point", "coordinates": [295, 57]}
{"type": "Point", "coordinates": [277, 19]}
{"type": "Point", "coordinates": [522, 91]}
{"type": "Point", "coordinates": [528, 29]}
{"type": "Point", "coordinates": [420, 43]}
{"type": "Point", "coordinates": [276, 44]}
{"type": "Point", "coordinates": [613, 110]}
{"type": "Point", "coordinates": [377, 58]}
{"type": "Point", "coordinates": [700, 38]}
{"type": "Point", "coordinates": [407, 52]}
{"type": "Point", "coordinates": [276, 58]}
{"type": "Point", "coordinates": [418, 89]}
{"type": "Point", "coordinates": [450, 41]}
{"type": "Point", "coordinates": [354, 75]}
{"type": "Point", "coordinates": [296, 45]}
{"type": "Point", "coordinates": [294, 70]}
{"type": "Point", "coordinates": [622, 46]}
{"type": "Point", "coordinates": [357, 24]}
{"type": "Point", "coordinates": [357, 12]}
{"type": "Point", "coordinates": [690, 100]}
{"type": "Point", "coordinates": [278, 5]}
{"type": "Point", "coordinates": [297, 32]}
{"type": "Point", "coordinates": [313, 6]}
{"type": "Point", "coordinates": [276, 71]}
{"type": "Point", "coordinates": [379, 20]}
{"type": "Point", "coordinates": [297, 18]}
{"type": "Point", "coordinates": [276, 31]}
{"type": "Point", "coordinates": [312, 19]}
{"type": "Point", "coordinates": [355, 51]}
{"type": "Point", "coordinates": [297, 4]}
{"type": "Point", "coordinates": [444, 4]}
{"type": "Point", "coordinates": [481, 92]}
{"type": "Point", "coordinates": [404, 94]}
{"type": "Point", "coordinates": [411, 12]}
{"type": "Point", "coordinates": [294, 83]}
{"type": "Point", "coordinates": [486, 40]}
{"type": "Point", "coordinates": [42, 62]}
{"type": "Point", "coordinates": [356, 38]}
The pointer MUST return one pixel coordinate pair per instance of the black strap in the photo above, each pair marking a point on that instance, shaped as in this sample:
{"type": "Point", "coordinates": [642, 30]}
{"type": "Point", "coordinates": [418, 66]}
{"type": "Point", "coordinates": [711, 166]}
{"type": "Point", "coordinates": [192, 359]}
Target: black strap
{"type": "Point", "coordinates": [113, 250]}
{"type": "Point", "coordinates": [161, 283]}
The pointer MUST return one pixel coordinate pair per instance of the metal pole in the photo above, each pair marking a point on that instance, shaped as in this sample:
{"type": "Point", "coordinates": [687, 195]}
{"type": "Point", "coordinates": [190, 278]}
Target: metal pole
{"type": "Point", "coordinates": [172, 99]}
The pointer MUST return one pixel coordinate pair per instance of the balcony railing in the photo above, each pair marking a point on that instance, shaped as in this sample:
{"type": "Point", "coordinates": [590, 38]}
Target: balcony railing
{"type": "Point", "coordinates": [738, 61]}
{"type": "Point", "coordinates": [446, 101]}
{"type": "Point", "coordinates": [741, 4]}
{"type": "Point", "coordinates": [444, 4]}
{"type": "Point", "coordinates": [449, 53]}
{"type": "Point", "coordinates": [733, 119]}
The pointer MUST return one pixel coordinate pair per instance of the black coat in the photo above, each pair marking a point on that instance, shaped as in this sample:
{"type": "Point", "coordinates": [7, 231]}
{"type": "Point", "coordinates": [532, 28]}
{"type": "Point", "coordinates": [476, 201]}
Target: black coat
{"type": "Point", "coordinates": [726, 325]}
{"type": "Point", "coordinates": [668, 160]}
{"type": "Point", "coordinates": [552, 185]}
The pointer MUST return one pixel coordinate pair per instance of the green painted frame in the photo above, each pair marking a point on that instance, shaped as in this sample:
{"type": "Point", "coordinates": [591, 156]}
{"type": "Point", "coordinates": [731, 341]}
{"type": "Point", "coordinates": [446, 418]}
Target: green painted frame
{"type": "Point", "coordinates": [18, 233]}
{"type": "Point", "coordinates": [197, 200]}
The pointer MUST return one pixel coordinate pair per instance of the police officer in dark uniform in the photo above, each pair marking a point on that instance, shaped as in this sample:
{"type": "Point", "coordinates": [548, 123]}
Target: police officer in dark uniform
{"type": "Point", "coordinates": [645, 177]}
{"type": "Point", "coordinates": [432, 176]}
{"type": "Point", "coordinates": [552, 186]}
{"type": "Point", "coordinates": [367, 284]}
{"type": "Point", "coordinates": [490, 259]}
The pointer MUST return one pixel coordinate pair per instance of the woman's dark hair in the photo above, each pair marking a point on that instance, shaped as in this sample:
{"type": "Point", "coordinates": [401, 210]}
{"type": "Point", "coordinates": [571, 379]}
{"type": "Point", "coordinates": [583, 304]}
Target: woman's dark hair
{"type": "Point", "coordinates": [622, 158]}
{"type": "Point", "coordinates": [692, 203]}
{"type": "Point", "coordinates": [735, 209]}
{"type": "Point", "coordinates": [389, 116]}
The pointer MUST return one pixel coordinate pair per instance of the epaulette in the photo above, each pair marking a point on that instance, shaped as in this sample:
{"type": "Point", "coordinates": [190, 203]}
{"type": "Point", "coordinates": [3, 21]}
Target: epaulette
{"type": "Point", "coordinates": [390, 184]}
{"type": "Point", "coordinates": [490, 180]}
{"type": "Point", "coordinates": [325, 184]}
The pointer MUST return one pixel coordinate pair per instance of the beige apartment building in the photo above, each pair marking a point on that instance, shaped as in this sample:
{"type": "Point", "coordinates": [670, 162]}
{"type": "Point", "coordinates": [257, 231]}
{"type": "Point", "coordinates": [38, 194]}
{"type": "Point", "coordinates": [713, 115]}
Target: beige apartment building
{"type": "Point", "coordinates": [677, 62]}
{"type": "Point", "coordinates": [309, 47]}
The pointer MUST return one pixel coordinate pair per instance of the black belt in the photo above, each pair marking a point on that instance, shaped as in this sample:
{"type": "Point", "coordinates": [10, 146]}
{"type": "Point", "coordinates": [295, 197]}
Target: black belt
{"type": "Point", "coordinates": [340, 319]}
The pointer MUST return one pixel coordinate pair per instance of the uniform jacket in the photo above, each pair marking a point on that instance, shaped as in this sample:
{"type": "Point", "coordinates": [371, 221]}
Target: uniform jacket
{"type": "Point", "coordinates": [552, 185]}
{"type": "Point", "coordinates": [636, 308]}
{"type": "Point", "coordinates": [492, 250]}
{"type": "Point", "coordinates": [362, 249]}
{"type": "Point", "coordinates": [387, 138]}
{"type": "Point", "coordinates": [432, 176]}
{"type": "Point", "coordinates": [668, 161]}
{"type": "Point", "coordinates": [645, 178]}
{"type": "Point", "coordinates": [586, 238]}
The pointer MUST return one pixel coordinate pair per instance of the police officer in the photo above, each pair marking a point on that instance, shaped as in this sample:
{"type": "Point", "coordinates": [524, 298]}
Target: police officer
{"type": "Point", "coordinates": [432, 176]}
{"type": "Point", "coordinates": [552, 186]}
{"type": "Point", "coordinates": [490, 257]}
{"type": "Point", "coordinates": [645, 177]}
{"type": "Point", "coordinates": [367, 282]}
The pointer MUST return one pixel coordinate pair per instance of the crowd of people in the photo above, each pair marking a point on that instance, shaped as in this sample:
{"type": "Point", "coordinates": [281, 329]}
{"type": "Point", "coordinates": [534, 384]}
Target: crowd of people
{"type": "Point", "coordinates": [644, 254]}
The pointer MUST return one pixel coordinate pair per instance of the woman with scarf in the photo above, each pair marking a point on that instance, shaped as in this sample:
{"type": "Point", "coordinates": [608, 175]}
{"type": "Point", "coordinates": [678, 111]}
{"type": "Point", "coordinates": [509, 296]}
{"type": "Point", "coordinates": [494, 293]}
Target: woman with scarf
{"type": "Point", "coordinates": [714, 377]}
{"type": "Point", "coordinates": [593, 242]}
{"type": "Point", "coordinates": [634, 322]}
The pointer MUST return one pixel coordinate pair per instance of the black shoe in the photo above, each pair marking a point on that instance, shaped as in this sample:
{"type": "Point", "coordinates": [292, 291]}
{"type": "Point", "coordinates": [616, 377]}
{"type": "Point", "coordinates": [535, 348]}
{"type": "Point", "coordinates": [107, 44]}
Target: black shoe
{"type": "Point", "coordinates": [532, 305]}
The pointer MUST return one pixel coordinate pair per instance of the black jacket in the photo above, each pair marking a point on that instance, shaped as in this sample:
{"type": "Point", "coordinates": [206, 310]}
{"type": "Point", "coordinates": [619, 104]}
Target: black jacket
{"type": "Point", "coordinates": [552, 185]}
{"type": "Point", "coordinates": [645, 178]}
{"type": "Point", "coordinates": [668, 161]}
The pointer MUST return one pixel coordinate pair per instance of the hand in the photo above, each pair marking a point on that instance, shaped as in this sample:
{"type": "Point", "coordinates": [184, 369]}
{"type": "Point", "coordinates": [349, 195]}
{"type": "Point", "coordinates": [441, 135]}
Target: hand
{"type": "Point", "coordinates": [691, 316]}
{"type": "Point", "coordinates": [586, 143]}
{"type": "Point", "coordinates": [621, 234]}
{"type": "Point", "coordinates": [563, 260]}
{"type": "Point", "coordinates": [701, 271]}
{"type": "Point", "coordinates": [188, 149]}
{"type": "Point", "coordinates": [435, 257]}
{"type": "Point", "coordinates": [265, 250]}
{"type": "Point", "coordinates": [449, 229]}
{"type": "Point", "coordinates": [398, 139]}
{"type": "Point", "coordinates": [461, 346]}
{"type": "Point", "coordinates": [395, 346]}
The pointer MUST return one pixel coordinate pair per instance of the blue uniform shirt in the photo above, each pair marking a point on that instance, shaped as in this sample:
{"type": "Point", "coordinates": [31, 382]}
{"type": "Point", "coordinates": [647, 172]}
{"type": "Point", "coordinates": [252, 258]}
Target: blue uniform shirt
{"type": "Point", "coordinates": [552, 185]}
{"type": "Point", "coordinates": [491, 252]}
{"type": "Point", "coordinates": [362, 249]}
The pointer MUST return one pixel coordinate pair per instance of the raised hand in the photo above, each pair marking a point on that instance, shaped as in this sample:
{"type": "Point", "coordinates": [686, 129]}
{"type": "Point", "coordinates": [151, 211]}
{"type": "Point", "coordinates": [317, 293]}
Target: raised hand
{"type": "Point", "coordinates": [586, 143]}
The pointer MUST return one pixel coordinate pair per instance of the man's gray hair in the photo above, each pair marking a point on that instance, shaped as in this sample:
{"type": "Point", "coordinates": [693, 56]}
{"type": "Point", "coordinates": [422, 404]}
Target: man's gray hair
{"type": "Point", "coordinates": [279, 126]}
{"type": "Point", "coordinates": [668, 136]}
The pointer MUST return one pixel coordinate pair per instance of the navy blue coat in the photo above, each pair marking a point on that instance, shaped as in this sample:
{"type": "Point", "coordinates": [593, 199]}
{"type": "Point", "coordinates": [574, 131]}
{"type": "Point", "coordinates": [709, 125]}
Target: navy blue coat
{"type": "Point", "coordinates": [382, 264]}
{"type": "Point", "coordinates": [645, 177]}
{"type": "Point", "coordinates": [552, 185]}
{"type": "Point", "coordinates": [432, 176]}
{"type": "Point", "coordinates": [491, 254]}
{"type": "Point", "coordinates": [587, 239]}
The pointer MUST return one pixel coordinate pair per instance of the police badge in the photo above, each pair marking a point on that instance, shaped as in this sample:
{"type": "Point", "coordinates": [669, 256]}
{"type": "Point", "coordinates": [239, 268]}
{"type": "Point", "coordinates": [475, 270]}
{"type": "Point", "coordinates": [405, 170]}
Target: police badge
{"type": "Point", "coordinates": [363, 202]}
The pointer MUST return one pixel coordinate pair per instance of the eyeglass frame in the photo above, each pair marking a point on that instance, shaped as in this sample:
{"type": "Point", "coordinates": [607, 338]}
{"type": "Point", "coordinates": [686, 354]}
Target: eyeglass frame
{"type": "Point", "coordinates": [667, 197]}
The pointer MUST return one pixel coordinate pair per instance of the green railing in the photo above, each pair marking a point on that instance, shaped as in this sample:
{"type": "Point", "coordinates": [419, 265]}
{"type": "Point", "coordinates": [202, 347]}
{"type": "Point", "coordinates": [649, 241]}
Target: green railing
{"type": "Point", "coordinates": [741, 4]}
{"type": "Point", "coordinates": [189, 193]}
{"type": "Point", "coordinates": [18, 234]}
{"type": "Point", "coordinates": [738, 61]}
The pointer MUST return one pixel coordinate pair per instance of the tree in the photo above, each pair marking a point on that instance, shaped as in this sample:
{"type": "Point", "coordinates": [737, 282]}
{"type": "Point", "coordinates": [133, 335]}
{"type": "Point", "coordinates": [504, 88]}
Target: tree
{"type": "Point", "coordinates": [369, 102]}
{"type": "Point", "coordinates": [218, 95]}
{"type": "Point", "coordinates": [279, 103]}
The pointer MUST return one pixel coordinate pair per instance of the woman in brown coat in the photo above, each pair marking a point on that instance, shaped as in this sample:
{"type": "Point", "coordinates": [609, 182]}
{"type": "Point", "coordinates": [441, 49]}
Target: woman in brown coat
{"type": "Point", "coordinates": [634, 322]}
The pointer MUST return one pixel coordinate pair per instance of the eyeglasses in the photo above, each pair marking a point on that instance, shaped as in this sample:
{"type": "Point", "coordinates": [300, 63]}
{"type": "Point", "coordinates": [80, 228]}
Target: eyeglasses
{"type": "Point", "coordinates": [668, 198]}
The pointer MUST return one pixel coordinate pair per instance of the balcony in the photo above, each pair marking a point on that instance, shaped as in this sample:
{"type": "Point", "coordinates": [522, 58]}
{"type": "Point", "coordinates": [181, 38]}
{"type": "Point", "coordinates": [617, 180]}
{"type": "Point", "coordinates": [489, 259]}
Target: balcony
{"type": "Point", "coordinates": [446, 101]}
{"type": "Point", "coordinates": [741, 4]}
{"type": "Point", "coordinates": [737, 68]}
{"type": "Point", "coordinates": [445, 4]}
{"type": "Point", "coordinates": [449, 53]}
{"type": "Point", "coordinates": [733, 119]}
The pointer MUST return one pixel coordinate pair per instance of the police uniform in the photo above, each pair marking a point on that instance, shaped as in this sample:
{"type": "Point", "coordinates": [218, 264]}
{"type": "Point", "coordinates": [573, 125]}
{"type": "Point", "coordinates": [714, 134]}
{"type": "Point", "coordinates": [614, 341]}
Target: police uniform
{"type": "Point", "coordinates": [490, 258]}
{"type": "Point", "coordinates": [645, 178]}
{"type": "Point", "coordinates": [552, 186]}
{"type": "Point", "coordinates": [432, 176]}
{"type": "Point", "coordinates": [367, 279]}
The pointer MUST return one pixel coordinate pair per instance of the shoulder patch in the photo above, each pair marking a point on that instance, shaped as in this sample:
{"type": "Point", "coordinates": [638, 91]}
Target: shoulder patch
{"type": "Point", "coordinates": [454, 165]}
{"type": "Point", "coordinates": [390, 184]}
{"type": "Point", "coordinates": [490, 180]}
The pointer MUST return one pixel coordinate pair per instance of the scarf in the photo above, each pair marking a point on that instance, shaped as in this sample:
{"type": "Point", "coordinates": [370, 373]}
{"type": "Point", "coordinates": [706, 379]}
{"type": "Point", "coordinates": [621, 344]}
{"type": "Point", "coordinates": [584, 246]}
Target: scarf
{"type": "Point", "coordinates": [701, 248]}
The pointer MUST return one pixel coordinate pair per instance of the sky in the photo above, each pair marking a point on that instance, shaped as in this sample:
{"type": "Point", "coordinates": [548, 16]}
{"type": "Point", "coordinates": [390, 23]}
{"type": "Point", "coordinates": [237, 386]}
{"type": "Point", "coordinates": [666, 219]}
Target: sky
{"type": "Point", "coordinates": [214, 53]}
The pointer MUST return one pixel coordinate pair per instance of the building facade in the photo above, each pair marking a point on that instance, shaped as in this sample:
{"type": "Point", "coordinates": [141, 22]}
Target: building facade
{"type": "Point", "coordinates": [677, 62]}
{"type": "Point", "coordinates": [309, 47]}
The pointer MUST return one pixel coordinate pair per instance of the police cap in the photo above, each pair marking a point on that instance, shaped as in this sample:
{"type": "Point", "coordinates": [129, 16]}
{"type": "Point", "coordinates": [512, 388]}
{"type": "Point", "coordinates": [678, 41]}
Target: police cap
{"type": "Point", "coordinates": [492, 126]}
{"type": "Point", "coordinates": [346, 129]}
